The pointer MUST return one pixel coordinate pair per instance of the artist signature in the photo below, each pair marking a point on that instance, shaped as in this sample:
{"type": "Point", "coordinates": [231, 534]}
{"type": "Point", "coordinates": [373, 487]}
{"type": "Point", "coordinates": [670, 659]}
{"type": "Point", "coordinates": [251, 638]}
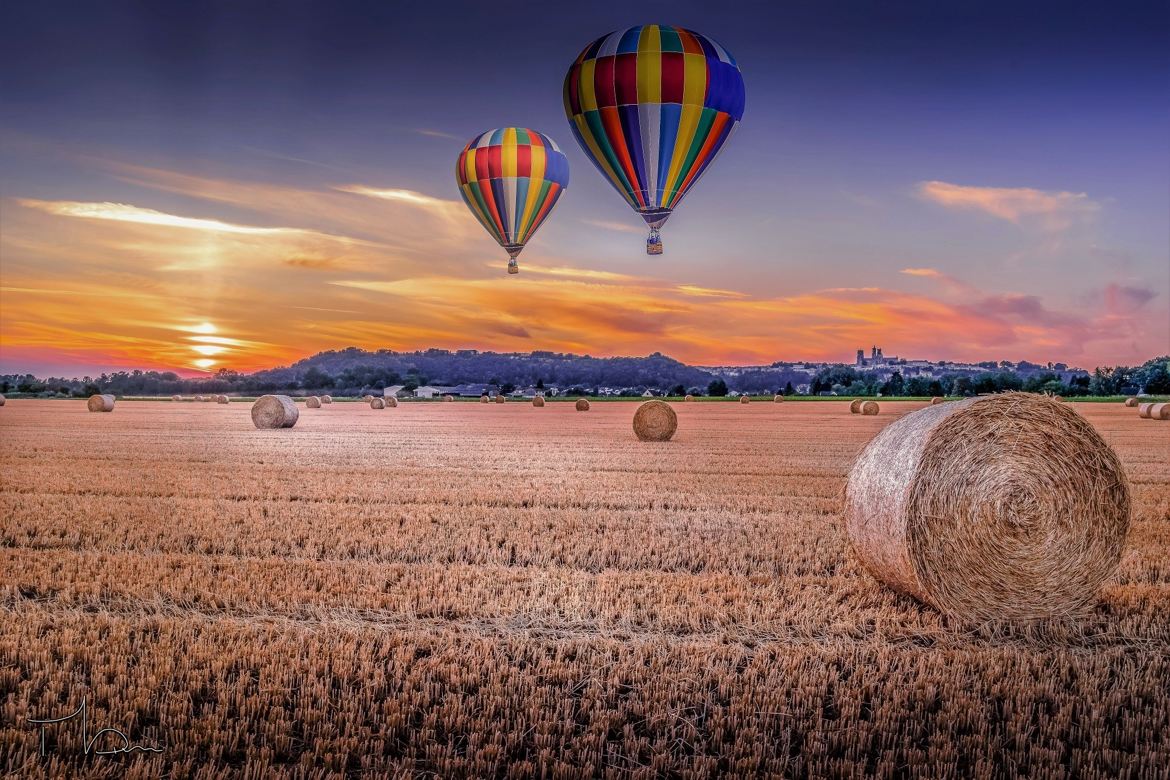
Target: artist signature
{"type": "Point", "coordinates": [87, 741]}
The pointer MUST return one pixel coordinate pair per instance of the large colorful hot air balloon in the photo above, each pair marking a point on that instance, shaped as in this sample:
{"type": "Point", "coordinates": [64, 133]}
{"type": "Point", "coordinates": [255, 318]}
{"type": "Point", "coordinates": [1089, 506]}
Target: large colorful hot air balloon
{"type": "Point", "coordinates": [652, 106]}
{"type": "Point", "coordinates": [510, 178]}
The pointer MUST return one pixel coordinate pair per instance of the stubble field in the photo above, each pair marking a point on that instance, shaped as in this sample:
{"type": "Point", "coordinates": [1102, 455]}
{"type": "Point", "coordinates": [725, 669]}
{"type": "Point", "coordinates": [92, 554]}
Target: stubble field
{"type": "Point", "coordinates": [499, 590]}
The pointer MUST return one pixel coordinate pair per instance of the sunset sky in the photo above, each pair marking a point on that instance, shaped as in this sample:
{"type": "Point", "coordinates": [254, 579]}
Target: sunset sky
{"type": "Point", "coordinates": [205, 185]}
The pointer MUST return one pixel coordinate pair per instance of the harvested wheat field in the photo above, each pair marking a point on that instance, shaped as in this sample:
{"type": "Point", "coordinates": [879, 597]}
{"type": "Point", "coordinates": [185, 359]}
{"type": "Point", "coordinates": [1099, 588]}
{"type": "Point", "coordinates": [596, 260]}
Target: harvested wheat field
{"type": "Point", "coordinates": [460, 590]}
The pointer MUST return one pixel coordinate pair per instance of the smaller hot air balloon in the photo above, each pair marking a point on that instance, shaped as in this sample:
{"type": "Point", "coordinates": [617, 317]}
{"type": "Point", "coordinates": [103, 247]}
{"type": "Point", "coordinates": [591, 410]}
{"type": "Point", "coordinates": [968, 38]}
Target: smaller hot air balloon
{"type": "Point", "coordinates": [511, 178]}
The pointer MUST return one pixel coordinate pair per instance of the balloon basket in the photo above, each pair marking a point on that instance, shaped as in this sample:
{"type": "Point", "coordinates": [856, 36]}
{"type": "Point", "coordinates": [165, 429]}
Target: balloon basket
{"type": "Point", "coordinates": [654, 243]}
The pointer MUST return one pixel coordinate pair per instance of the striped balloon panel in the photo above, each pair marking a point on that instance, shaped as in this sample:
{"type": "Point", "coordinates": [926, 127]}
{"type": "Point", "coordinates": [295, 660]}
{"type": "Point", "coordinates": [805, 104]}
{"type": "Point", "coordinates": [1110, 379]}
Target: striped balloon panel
{"type": "Point", "coordinates": [652, 106]}
{"type": "Point", "coordinates": [510, 178]}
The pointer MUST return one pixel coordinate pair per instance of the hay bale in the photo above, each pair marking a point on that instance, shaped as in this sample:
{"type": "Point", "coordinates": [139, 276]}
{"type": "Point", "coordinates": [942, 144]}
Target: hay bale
{"type": "Point", "coordinates": [777, 399]}
{"type": "Point", "coordinates": [743, 399]}
{"type": "Point", "coordinates": [377, 403]}
{"type": "Point", "coordinates": [3, 400]}
{"type": "Point", "coordinates": [483, 399]}
{"type": "Point", "coordinates": [367, 398]}
{"type": "Point", "coordinates": [1144, 410]}
{"type": "Point", "coordinates": [689, 398]}
{"type": "Point", "coordinates": [1131, 401]}
{"type": "Point", "coordinates": [313, 402]}
{"type": "Point", "coordinates": [538, 400]}
{"type": "Point", "coordinates": [222, 399]}
{"type": "Point", "coordinates": [390, 401]}
{"type": "Point", "coordinates": [326, 399]}
{"type": "Point", "coordinates": [1006, 506]}
{"type": "Point", "coordinates": [869, 407]}
{"type": "Point", "coordinates": [935, 401]}
{"type": "Point", "coordinates": [655, 421]}
{"type": "Point", "coordinates": [1156, 411]}
{"type": "Point", "coordinates": [448, 398]}
{"type": "Point", "coordinates": [198, 398]}
{"type": "Point", "coordinates": [855, 405]}
{"type": "Point", "coordinates": [176, 398]}
{"type": "Point", "coordinates": [274, 411]}
{"type": "Point", "coordinates": [100, 403]}
{"type": "Point", "coordinates": [582, 404]}
{"type": "Point", "coordinates": [500, 399]}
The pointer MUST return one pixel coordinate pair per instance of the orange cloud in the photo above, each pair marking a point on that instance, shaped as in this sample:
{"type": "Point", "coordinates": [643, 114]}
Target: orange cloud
{"type": "Point", "coordinates": [1019, 205]}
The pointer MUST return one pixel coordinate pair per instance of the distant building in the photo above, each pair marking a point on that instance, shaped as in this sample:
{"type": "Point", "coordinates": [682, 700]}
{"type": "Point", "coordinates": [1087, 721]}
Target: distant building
{"type": "Point", "coordinates": [392, 391]}
{"type": "Point", "coordinates": [875, 360]}
{"type": "Point", "coordinates": [432, 391]}
{"type": "Point", "coordinates": [472, 390]}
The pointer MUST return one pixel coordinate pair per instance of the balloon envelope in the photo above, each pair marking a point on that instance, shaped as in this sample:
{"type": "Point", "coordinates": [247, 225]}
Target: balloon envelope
{"type": "Point", "coordinates": [511, 178]}
{"type": "Point", "coordinates": [651, 106]}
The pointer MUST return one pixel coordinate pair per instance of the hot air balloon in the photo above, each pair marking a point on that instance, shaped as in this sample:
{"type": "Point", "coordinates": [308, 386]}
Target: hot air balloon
{"type": "Point", "coordinates": [651, 106]}
{"type": "Point", "coordinates": [510, 178]}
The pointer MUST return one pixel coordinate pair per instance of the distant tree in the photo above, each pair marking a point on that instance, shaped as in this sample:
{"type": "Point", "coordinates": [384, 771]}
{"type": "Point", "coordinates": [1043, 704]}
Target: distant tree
{"type": "Point", "coordinates": [1154, 376]}
{"type": "Point", "coordinates": [678, 390]}
{"type": "Point", "coordinates": [894, 385]}
{"type": "Point", "coordinates": [540, 383]}
{"type": "Point", "coordinates": [717, 387]}
{"type": "Point", "coordinates": [315, 378]}
{"type": "Point", "coordinates": [789, 389]}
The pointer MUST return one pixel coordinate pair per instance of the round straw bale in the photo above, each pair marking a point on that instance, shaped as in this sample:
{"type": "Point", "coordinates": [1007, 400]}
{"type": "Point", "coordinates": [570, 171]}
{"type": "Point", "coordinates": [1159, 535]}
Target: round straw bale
{"type": "Point", "coordinates": [274, 411]}
{"type": "Point", "coordinates": [367, 398]}
{"type": "Point", "coordinates": [855, 405]}
{"type": "Point", "coordinates": [1144, 410]}
{"type": "Point", "coordinates": [1131, 401]}
{"type": "Point", "coordinates": [198, 398]}
{"type": "Point", "coordinates": [448, 398]}
{"type": "Point", "coordinates": [777, 399]}
{"type": "Point", "coordinates": [500, 398]}
{"type": "Point", "coordinates": [313, 402]}
{"type": "Point", "coordinates": [1007, 506]}
{"type": "Point", "coordinates": [743, 399]}
{"type": "Point", "coordinates": [869, 407]}
{"type": "Point", "coordinates": [582, 404]}
{"type": "Point", "coordinates": [483, 399]}
{"type": "Point", "coordinates": [936, 400]}
{"type": "Point", "coordinates": [2, 399]}
{"type": "Point", "coordinates": [655, 421]}
{"type": "Point", "coordinates": [222, 399]}
{"type": "Point", "coordinates": [390, 401]}
{"type": "Point", "coordinates": [377, 403]}
{"type": "Point", "coordinates": [689, 398]}
{"type": "Point", "coordinates": [538, 400]}
{"type": "Point", "coordinates": [326, 399]}
{"type": "Point", "coordinates": [100, 403]}
{"type": "Point", "coordinates": [1159, 412]}
{"type": "Point", "coordinates": [176, 398]}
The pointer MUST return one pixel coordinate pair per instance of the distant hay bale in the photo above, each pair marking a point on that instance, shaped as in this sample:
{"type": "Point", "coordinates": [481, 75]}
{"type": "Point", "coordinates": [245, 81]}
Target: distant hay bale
{"type": "Point", "coordinates": [1153, 411]}
{"type": "Point", "coordinates": [199, 398]}
{"type": "Point", "coordinates": [367, 398]}
{"type": "Point", "coordinates": [100, 403]}
{"type": "Point", "coordinates": [176, 398]}
{"type": "Point", "coordinates": [500, 398]}
{"type": "Point", "coordinates": [855, 405]}
{"type": "Point", "coordinates": [777, 399]}
{"type": "Point", "coordinates": [655, 421]}
{"type": "Point", "coordinates": [743, 399]}
{"type": "Point", "coordinates": [538, 400]}
{"type": "Point", "coordinates": [274, 411]}
{"type": "Point", "coordinates": [1131, 401]}
{"type": "Point", "coordinates": [582, 404]}
{"type": "Point", "coordinates": [222, 399]}
{"type": "Point", "coordinates": [483, 399]}
{"type": "Point", "coordinates": [2, 400]}
{"type": "Point", "coordinates": [869, 407]}
{"type": "Point", "coordinates": [689, 398]}
{"type": "Point", "coordinates": [326, 399]}
{"type": "Point", "coordinates": [1007, 506]}
{"type": "Point", "coordinates": [935, 400]}
{"type": "Point", "coordinates": [377, 403]}
{"type": "Point", "coordinates": [390, 401]}
{"type": "Point", "coordinates": [313, 402]}
{"type": "Point", "coordinates": [448, 398]}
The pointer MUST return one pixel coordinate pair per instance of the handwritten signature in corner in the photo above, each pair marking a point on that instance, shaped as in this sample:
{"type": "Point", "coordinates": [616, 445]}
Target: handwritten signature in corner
{"type": "Point", "coordinates": [87, 741]}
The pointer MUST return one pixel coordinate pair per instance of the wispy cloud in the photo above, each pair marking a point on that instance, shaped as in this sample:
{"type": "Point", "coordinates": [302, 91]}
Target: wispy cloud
{"type": "Point", "coordinates": [123, 212]}
{"type": "Point", "coordinates": [621, 227]}
{"type": "Point", "coordinates": [401, 196]}
{"type": "Point", "coordinates": [435, 133]}
{"type": "Point", "coordinates": [1050, 210]}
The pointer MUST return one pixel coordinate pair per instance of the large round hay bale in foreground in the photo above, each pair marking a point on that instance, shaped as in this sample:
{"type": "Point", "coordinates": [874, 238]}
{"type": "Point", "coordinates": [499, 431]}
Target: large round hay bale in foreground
{"type": "Point", "coordinates": [1158, 412]}
{"type": "Point", "coordinates": [855, 405]}
{"type": "Point", "coordinates": [500, 398]}
{"type": "Point", "coordinates": [390, 401]}
{"type": "Point", "coordinates": [582, 404]}
{"type": "Point", "coordinates": [689, 398]}
{"type": "Point", "coordinates": [313, 402]}
{"type": "Point", "coordinates": [326, 399]}
{"type": "Point", "coordinates": [222, 399]}
{"type": "Point", "coordinates": [538, 400]}
{"type": "Point", "coordinates": [1008, 506]}
{"type": "Point", "coordinates": [1131, 401]}
{"type": "Point", "coordinates": [100, 403]}
{"type": "Point", "coordinates": [869, 407]}
{"type": "Point", "coordinates": [936, 400]}
{"type": "Point", "coordinates": [655, 421]}
{"type": "Point", "coordinates": [274, 411]}
{"type": "Point", "coordinates": [743, 399]}
{"type": "Point", "coordinates": [377, 403]}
